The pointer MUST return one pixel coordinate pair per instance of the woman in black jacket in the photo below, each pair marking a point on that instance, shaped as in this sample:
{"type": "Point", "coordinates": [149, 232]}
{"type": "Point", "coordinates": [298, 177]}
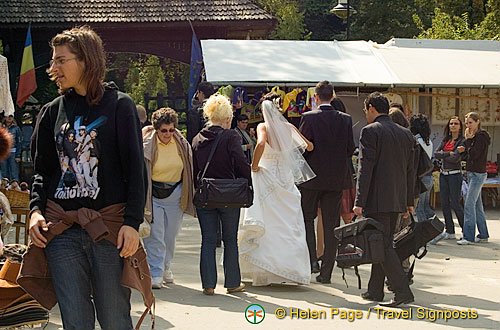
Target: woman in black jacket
{"type": "Point", "coordinates": [449, 153]}
{"type": "Point", "coordinates": [476, 143]}
{"type": "Point", "coordinates": [228, 162]}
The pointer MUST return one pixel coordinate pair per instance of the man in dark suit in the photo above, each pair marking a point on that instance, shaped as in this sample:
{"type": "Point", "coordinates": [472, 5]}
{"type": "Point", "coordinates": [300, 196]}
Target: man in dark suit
{"type": "Point", "coordinates": [331, 133]}
{"type": "Point", "coordinates": [386, 178]}
{"type": "Point", "coordinates": [195, 119]}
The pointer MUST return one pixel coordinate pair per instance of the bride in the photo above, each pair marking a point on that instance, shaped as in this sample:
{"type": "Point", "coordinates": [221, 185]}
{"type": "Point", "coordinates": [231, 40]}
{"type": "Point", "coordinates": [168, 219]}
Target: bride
{"type": "Point", "coordinates": [272, 239]}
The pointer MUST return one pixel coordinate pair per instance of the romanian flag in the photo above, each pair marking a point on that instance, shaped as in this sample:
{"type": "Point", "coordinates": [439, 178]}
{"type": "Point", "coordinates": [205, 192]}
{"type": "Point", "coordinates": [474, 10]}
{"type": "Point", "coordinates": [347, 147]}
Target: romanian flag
{"type": "Point", "coordinates": [195, 68]}
{"type": "Point", "coordinates": [27, 79]}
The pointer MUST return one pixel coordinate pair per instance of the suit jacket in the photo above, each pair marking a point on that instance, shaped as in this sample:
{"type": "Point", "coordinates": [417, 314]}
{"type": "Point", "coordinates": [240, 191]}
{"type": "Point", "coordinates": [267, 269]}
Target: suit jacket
{"type": "Point", "coordinates": [331, 133]}
{"type": "Point", "coordinates": [386, 171]}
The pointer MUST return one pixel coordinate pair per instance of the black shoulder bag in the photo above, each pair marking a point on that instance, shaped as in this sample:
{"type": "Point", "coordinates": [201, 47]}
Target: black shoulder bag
{"type": "Point", "coordinates": [222, 193]}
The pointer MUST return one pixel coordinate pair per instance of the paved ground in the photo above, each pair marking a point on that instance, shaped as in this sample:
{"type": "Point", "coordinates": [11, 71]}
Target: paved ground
{"type": "Point", "coordinates": [449, 278]}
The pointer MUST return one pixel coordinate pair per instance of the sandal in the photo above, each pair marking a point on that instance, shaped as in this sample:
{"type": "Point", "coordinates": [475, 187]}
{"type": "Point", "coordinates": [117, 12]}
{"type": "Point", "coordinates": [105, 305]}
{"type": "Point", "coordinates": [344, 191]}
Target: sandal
{"type": "Point", "coordinates": [208, 291]}
{"type": "Point", "coordinates": [239, 288]}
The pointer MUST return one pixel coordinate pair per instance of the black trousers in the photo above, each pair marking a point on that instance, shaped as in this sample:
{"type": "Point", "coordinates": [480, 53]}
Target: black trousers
{"type": "Point", "coordinates": [330, 202]}
{"type": "Point", "coordinates": [391, 267]}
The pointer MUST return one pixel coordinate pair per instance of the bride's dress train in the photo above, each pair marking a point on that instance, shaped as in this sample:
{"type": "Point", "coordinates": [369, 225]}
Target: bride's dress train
{"type": "Point", "coordinates": [272, 239]}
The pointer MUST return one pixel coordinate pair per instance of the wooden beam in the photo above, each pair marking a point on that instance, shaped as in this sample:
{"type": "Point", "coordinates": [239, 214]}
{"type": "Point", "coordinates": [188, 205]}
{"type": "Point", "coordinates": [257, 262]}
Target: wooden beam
{"type": "Point", "coordinates": [453, 96]}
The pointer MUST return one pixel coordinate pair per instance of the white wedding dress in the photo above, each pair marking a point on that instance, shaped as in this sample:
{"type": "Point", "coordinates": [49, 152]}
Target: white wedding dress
{"type": "Point", "coordinates": [272, 238]}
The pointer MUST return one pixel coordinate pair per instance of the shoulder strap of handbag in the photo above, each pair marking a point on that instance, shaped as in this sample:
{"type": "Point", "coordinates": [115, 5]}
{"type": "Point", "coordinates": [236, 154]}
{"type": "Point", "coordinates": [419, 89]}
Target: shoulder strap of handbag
{"type": "Point", "coordinates": [217, 139]}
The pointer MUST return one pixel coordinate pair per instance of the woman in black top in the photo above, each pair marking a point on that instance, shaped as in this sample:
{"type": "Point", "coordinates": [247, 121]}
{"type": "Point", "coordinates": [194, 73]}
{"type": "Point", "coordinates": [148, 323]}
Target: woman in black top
{"type": "Point", "coordinates": [449, 153]}
{"type": "Point", "coordinates": [228, 162]}
{"type": "Point", "coordinates": [476, 143]}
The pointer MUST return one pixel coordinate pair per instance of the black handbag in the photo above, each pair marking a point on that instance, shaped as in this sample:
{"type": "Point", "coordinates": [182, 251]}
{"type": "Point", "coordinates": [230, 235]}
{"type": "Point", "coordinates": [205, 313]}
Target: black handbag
{"type": "Point", "coordinates": [359, 242]}
{"type": "Point", "coordinates": [222, 193]}
{"type": "Point", "coordinates": [162, 190]}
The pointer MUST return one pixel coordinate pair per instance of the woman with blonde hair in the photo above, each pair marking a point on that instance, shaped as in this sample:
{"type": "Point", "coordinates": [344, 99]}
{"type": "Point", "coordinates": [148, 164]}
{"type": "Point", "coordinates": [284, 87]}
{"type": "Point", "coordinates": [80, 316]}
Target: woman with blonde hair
{"type": "Point", "coordinates": [228, 162]}
{"type": "Point", "coordinates": [169, 165]}
{"type": "Point", "coordinates": [477, 141]}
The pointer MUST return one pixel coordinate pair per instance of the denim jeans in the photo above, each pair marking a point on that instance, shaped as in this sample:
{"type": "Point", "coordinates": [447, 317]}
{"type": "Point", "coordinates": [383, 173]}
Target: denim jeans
{"type": "Point", "coordinates": [423, 209]}
{"type": "Point", "coordinates": [9, 168]}
{"type": "Point", "coordinates": [167, 220]}
{"type": "Point", "coordinates": [474, 211]}
{"type": "Point", "coordinates": [86, 276]}
{"type": "Point", "coordinates": [209, 221]}
{"type": "Point", "coordinates": [450, 187]}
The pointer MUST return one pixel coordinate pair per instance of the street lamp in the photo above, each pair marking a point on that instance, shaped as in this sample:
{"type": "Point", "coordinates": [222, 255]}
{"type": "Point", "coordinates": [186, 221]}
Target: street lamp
{"type": "Point", "coordinates": [344, 10]}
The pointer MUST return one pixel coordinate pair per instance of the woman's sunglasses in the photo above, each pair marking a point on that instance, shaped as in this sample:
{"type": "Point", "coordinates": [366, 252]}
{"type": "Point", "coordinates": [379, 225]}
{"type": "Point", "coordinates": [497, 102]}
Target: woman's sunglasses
{"type": "Point", "coordinates": [164, 130]}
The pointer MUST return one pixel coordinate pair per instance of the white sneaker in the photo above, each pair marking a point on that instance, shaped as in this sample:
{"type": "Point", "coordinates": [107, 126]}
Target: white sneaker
{"type": "Point", "coordinates": [156, 282]}
{"type": "Point", "coordinates": [480, 240]}
{"type": "Point", "coordinates": [168, 276]}
{"type": "Point", "coordinates": [463, 241]}
{"type": "Point", "coordinates": [449, 236]}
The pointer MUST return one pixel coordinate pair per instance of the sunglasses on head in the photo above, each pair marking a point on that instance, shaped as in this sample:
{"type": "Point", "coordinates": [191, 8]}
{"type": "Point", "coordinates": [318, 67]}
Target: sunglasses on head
{"type": "Point", "coordinates": [164, 130]}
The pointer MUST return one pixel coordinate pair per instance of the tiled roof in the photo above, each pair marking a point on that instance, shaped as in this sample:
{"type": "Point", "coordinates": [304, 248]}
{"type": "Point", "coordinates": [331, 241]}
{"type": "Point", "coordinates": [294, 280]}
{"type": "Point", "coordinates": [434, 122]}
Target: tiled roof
{"type": "Point", "coordinates": [127, 11]}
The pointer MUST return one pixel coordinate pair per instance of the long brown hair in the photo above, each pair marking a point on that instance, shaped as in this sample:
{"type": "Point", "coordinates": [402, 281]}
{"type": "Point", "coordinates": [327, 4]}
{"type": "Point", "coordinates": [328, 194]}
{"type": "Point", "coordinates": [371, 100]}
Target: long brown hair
{"type": "Point", "coordinates": [447, 134]}
{"type": "Point", "coordinates": [88, 48]}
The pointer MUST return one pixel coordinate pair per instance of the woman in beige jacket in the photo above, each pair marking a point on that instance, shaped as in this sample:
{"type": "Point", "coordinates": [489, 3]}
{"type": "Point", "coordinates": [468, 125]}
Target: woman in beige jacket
{"type": "Point", "coordinates": [169, 164]}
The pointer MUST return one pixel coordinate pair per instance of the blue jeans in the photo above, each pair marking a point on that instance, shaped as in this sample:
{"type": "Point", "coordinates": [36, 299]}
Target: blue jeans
{"type": "Point", "coordinates": [9, 168]}
{"type": "Point", "coordinates": [167, 220]}
{"type": "Point", "coordinates": [209, 221]}
{"type": "Point", "coordinates": [474, 211]}
{"type": "Point", "coordinates": [86, 276]}
{"type": "Point", "coordinates": [423, 209]}
{"type": "Point", "coordinates": [450, 187]}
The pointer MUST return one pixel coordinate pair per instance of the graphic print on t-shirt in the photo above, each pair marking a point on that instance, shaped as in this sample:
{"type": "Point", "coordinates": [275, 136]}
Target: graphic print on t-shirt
{"type": "Point", "coordinates": [79, 152]}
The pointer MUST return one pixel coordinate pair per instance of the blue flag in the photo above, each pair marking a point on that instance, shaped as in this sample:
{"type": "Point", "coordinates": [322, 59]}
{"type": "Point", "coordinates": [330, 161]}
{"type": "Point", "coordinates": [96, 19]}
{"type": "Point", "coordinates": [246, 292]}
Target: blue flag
{"type": "Point", "coordinates": [196, 65]}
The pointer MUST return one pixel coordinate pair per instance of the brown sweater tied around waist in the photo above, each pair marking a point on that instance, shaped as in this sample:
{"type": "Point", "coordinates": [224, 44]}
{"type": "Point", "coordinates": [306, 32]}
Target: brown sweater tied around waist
{"type": "Point", "coordinates": [34, 276]}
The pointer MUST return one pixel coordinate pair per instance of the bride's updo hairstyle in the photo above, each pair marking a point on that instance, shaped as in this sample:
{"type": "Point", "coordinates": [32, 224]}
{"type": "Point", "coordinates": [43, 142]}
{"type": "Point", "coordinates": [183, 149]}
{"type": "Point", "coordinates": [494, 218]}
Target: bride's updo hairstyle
{"type": "Point", "coordinates": [217, 109]}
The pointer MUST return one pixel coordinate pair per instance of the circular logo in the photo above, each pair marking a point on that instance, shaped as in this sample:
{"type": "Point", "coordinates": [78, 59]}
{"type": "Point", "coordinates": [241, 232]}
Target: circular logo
{"type": "Point", "coordinates": [255, 314]}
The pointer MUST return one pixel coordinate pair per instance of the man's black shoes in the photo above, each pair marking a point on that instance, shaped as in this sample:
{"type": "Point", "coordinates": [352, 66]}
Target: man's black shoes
{"type": "Point", "coordinates": [398, 301]}
{"type": "Point", "coordinates": [368, 296]}
{"type": "Point", "coordinates": [314, 267]}
{"type": "Point", "coordinates": [322, 280]}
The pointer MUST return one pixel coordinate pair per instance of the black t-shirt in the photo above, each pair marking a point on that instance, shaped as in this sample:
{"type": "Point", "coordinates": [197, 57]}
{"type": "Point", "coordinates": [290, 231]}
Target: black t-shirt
{"type": "Point", "coordinates": [66, 168]}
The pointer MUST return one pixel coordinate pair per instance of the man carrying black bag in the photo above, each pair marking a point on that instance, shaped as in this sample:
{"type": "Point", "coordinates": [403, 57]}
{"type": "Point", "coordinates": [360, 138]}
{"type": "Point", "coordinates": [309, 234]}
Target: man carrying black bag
{"type": "Point", "coordinates": [384, 189]}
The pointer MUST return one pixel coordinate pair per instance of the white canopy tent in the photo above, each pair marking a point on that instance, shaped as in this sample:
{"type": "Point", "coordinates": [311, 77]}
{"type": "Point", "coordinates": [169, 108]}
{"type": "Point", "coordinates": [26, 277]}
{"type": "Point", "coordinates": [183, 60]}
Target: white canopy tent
{"type": "Point", "coordinates": [397, 63]}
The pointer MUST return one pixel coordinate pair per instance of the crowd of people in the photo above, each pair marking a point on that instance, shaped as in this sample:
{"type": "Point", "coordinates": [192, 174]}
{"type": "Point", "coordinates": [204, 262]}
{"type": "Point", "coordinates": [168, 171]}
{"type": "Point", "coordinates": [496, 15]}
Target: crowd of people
{"type": "Point", "coordinates": [125, 170]}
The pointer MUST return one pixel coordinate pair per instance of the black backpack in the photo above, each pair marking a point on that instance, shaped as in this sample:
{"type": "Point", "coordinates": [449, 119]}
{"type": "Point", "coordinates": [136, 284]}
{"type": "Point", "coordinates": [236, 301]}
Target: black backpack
{"type": "Point", "coordinates": [360, 242]}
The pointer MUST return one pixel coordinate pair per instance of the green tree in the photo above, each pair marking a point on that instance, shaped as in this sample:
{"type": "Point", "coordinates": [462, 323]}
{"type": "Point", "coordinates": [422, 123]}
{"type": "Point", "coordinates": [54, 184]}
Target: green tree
{"type": "Point", "coordinates": [320, 22]}
{"type": "Point", "coordinates": [490, 26]}
{"type": "Point", "coordinates": [380, 20]}
{"type": "Point", "coordinates": [475, 10]}
{"type": "Point", "coordinates": [145, 76]}
{"type": "Point", "coordinates": [446, 26]}
{"type": "Point", "coordinates": [290, 19]}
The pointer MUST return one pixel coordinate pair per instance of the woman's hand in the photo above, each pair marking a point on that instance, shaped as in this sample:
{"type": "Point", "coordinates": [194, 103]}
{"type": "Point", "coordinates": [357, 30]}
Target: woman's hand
{"type": "Point", "coordinates": [128, 241]}
{"type": "Point", "coordinates": [469, 133]}
{"type": "Point", "coordinates": [461, 149]}
{"type": "Point", "coordinates": [37, 222]}
{"type": "Point", "coordinates": [255, 168]}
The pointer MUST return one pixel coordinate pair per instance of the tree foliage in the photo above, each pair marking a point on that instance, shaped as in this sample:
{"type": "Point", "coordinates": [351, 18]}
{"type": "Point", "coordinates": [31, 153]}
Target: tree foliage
{"type": "Point", "coordinates": [380, 20]}
{"type": "Point", "coordinates": [450, 26]}
{"type": "Point", "coordinates": [290, 19]}
{"type": "Point", "coordinates": [145, 75]}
